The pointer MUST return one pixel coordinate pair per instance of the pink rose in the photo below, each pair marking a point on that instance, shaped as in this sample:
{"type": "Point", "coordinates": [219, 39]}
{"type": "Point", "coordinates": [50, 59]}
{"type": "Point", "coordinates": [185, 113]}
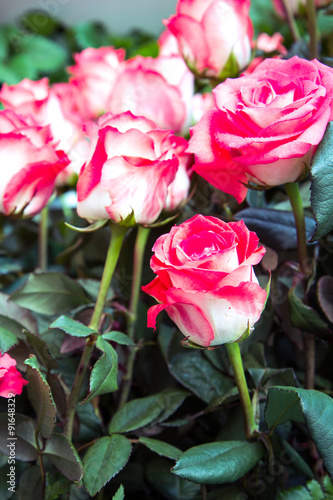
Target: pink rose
{"type": "Point", "coordinates": [130, 170]}
{"type": "Point", "coordinates": [159, 88]}
{"type": "Point", "coordinates": [209, 32]}
{"type": "Point", "coordinates": [11, 380]}
{"type": "Point", "coordinates": [55, 106]}
{"type": "Point", "coordinates": [29, 165]}
{"type": "Point", "coordinates": [265, 126]}
{"type": "Point", "coordinates": [205, 280]}
{"type": "Point", "coordinates": [94, 73]}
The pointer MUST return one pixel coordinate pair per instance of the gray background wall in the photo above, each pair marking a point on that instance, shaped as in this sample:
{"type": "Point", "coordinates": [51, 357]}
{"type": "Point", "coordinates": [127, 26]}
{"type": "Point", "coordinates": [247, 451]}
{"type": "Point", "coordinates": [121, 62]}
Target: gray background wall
{"type": "Point", "coordinates": [119, 15]}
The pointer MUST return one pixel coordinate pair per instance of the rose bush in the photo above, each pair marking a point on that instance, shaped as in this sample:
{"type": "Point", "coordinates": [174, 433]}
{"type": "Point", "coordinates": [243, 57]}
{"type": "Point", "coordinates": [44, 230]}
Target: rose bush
{"type": "Point", "coordinates": [205, 280]}
{"type": "Point", "coordinates": [265, 126]}
{"type": "Point", "coordinates": [132, 166]}
{"type": "Point", "coordinates": [11, 380]}
{"type": "Point", "coordinates": [211, 32]}
{"type": "Point", "coordinates": [30, 165]}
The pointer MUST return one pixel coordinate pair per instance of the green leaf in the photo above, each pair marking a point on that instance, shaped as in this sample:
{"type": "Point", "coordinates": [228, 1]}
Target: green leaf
{"type": "Point", "coordinates": [313, 408]}
{"type": "Point", "coordinates": [144, 411]}
{"type": "Point", "coordinates": [312, 491]}
{"type": "Point", "coordinates": [193, 371]}
{"type": "Point", "coordinates": [7, 340]}
{"type": "Point", "coordinates": [103, 460]}
{"type": "Point", "coordinates": [321, 185]}
{"type": "Point", "coordinates": [40, 23]}
{"type": "Point", "coordinates": [161, 448]}
{"type": "Point", "coordinates": [40, 396]}
{"type": "Point", "coordinates": [305, 317]}
{"type": "Point", "coordinates": [297, 460]}
{"type": "Point", "coordinates": [325, 296]}
{"type": "Point", "coordinates": [120, 494]}
{"type": "Point", "coordinates": [119, 337]}
{"type": "Point", "coordinates": [168, 485]}
{"type": "Point", "coordinates": [30, 486]}
{"type": "Point", "coordinates": [216, 463]}
{"type": "Point", "coordinates": [103, 378]}
{"type": "Point", "coordinates": [3, 44]}
{"type": "Point", "coordinates": [25, 444]}
{"type": "Point", "coordinates": [64, 457]}
{"type": "Point", "coordinates": [42, 350]}
{"type": "Point", "coordinates": [45, 54]}
{"type": "Point", "coordinates": [49, 293]}
{"type": "Point", "coordinates": [72, 327]}
{"type": "Point", "coordinates": [90, 34]}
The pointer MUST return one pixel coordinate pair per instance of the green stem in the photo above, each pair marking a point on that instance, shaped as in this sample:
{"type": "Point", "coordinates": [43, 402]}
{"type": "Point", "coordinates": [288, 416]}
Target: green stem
{"type": "Point", "coordinates": [297, 205]}
{"type": "Point", "coordinates": [293, 192]}
{"type": "Point", "coordinates": [42, 239]}
{"type": "Point", "coordinates": [237, 366]}
{"type": "Point", "coordinates": [139, 252]}
{"type": "Point", "coordinates": [313, 30]}
{"type": "Point", "coordinates": [291, 20]}
{"type": "Point", "coordinates": [117, 237]}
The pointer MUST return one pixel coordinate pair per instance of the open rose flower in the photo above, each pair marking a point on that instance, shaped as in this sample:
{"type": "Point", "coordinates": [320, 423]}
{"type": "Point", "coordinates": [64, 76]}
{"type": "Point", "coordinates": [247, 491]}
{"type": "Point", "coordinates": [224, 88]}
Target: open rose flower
{"type": "Point", "coordinates": [211, 33]}
{"type": "Point", "coordinates": [94, 73]}
{"type": "Point", "coordinates": [205, 280]}
{"type": "Point", "coordinates": [54, 106]}
{"type": "Point", "coordinates": [130, 170]}
{"type": "Point", "coordinates": [11, 380]}
{"type": "Point", "coordinates": [159, 88]}
{"type": "Point", "coordinates": [265, 126]}
{"type": "Point", "coordinates": [30, 165]}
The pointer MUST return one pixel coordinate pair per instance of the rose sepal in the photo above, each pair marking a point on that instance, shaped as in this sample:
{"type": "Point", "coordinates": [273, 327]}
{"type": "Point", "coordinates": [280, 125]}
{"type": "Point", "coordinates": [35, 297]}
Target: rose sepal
{"type": "Point", "coordinates": [162, 222]}
{"type": "Point", "coordinates": [97, 224]}
{"type": "Point", "coordinates": [192, 345]}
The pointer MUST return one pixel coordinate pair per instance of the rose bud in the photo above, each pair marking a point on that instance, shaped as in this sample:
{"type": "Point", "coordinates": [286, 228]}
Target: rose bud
{"type": "Point", "coordinates": [131, 168]}
{"type": "Point", "coordinates": [205, 280]}
{"type": "Point", "coordinates": [265, 126]}
{"type": "Point", "coordinates": [11, 380]}
{"type": "Point", "coordinates": [213, 35]}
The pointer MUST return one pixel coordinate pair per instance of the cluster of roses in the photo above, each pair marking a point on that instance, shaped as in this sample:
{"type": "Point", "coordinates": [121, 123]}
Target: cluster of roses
{"type": "Point", "coordinates": [118, 120]}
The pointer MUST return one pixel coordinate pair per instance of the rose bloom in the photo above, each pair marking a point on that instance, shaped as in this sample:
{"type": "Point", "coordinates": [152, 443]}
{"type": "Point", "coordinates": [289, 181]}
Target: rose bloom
{"type": "Point", "coordinates": [30, 165]}
{"type": "Point", "coordinates": [209, 32]}
{"type": "Point", "coordinates": [205, 280]}
{"type": "Point", "coordinates": [265, 126]}
{"type": "Point", "coordinates": [55, 106]}
{"type": "Point", "coordinates": [159, 88]}
{"type": "Point", "coordinates": [11, 380]}
{"type": "Point", "coordinates": [131, 168]}
{"type": "Point", "coordinates": [94, 73]}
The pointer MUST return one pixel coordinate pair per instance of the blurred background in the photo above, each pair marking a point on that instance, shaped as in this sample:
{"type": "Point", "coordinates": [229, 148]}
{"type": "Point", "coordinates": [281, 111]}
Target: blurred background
{"type": "Point", "coordinates": [118, 16]}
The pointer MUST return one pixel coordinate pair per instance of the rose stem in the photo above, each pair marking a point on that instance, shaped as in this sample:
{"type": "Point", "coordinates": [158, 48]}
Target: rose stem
{"type": "Point", "coordinates": [293, 192]}
{"type": "Point", "coordinates": [291, 20]}
{"type": "Point", "coordinates": [117, 237]}
{"type": "Point", "coordinates": [313, 30]}
{"type": "Point", "coordinates": [139, 252]}
{"type": "Point", "coordinates": [237, 366]}
{"type": "Point", "coordinates": [42, 239]}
